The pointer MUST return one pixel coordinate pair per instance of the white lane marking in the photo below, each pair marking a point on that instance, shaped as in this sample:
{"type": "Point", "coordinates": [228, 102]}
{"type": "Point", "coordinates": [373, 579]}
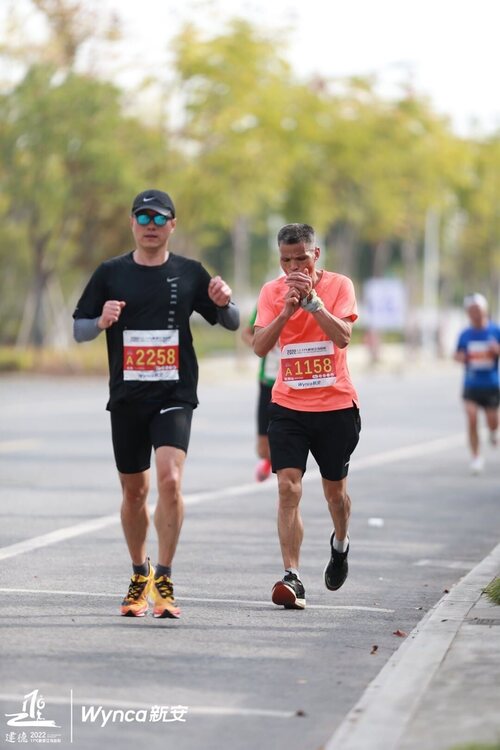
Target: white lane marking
{"type": "Point", "coordinates": [13, 446]}
{"type": "Point", "coordinates": [379, 459]}
{"type": "Point", "coordinates": [398, 454]}
{"type": "Point", "coordinates": [62, 700]}
{"type": "Point", "coordinates": [60, 535]}
{"type": "Point", "coordinates": [348, 607]}
{"type": "Point", "coordinates": [409, 451]}
{"type": "Point", "coordinates": [450, 564]}
{"type": "Point", "coordinates": [202, 600]}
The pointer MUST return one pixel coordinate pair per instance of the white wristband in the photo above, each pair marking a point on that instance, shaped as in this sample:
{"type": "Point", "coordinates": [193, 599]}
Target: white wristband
{"type": "Point", "coordinates": [312, 305]}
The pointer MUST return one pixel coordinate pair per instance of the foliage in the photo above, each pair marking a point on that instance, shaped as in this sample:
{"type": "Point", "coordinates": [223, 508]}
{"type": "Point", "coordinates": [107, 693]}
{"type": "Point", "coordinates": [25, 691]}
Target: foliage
{"type": "Point", "coordinates": [492, 591]}
{"type": "Point", "coordinates": [236, 95]}
{"type": "Point", "coordinates": [91, 358]}
{"type": "Point", "coordinates": [243, 146]}
{"type": "Point", "coordinates": [70, 163]}
{"type": "Point", "coordinates": [480, 242]}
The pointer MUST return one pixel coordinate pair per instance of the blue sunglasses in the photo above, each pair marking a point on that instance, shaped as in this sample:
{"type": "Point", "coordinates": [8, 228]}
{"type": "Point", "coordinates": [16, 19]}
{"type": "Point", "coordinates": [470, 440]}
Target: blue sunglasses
{"type": "Point", "coordinates": [145, 219]}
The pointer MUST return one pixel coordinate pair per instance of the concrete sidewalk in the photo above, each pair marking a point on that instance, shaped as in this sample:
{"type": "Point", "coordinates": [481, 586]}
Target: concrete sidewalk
{"type": "Point", "coordinates": [442, 687]}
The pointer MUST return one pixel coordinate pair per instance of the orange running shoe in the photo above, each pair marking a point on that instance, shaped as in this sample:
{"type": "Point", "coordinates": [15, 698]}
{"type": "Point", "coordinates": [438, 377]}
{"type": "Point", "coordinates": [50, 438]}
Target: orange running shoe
{"type": "Point", "coordinates": [263, 470]}
{"type": "Point", "coordinates": [162, 594]}
{"type": "Point", "coordinates": [135, 603]}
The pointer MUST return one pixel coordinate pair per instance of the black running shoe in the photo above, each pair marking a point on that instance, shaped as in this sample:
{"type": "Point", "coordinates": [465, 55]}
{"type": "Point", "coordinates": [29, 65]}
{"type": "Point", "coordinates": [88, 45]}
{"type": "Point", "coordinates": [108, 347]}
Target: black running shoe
{"type": "Point", "coordinates": [337, 568]}
{"type": "Point", "coordinates": [289, 593]}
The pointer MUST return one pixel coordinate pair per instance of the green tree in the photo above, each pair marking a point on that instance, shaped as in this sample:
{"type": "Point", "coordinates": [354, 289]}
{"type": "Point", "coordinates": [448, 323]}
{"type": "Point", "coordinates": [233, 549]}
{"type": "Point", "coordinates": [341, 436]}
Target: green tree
{"type": "Point", "coordinates": [236, 94]}
{"type": "Point", "coordinates": [378, 166]}
{"type": "Point", "coordinates": [71, 162]}
{"type": "Point", "coordinates": [479, 242]}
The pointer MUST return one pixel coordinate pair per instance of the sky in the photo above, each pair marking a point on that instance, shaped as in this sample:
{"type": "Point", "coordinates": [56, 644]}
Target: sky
{"type": "Point", "coordinates": [448, 50]}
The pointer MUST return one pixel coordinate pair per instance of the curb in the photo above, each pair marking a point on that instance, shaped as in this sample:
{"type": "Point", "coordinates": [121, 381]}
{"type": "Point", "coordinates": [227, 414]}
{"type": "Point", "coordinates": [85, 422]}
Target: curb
{"type": "Point", "coordinates": [379, 719]}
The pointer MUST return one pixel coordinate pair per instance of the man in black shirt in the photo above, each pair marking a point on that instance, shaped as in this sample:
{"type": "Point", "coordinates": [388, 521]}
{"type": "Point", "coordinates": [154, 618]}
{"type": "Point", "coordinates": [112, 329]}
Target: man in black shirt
{"type": "Point", "coordinates": [143, 300]}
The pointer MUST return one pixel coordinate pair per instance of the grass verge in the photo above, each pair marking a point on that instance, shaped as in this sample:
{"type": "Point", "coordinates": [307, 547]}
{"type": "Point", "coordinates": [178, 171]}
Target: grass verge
{"type": "Point", "coordinates": [492, 591]}
{"type": "Point", "coordinates": [90, 358]}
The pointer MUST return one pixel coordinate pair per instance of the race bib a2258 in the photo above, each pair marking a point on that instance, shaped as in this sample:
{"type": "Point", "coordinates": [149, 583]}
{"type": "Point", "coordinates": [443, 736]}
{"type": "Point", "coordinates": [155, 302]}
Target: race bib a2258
{"type": "Point", "coordinates": [151, 355]}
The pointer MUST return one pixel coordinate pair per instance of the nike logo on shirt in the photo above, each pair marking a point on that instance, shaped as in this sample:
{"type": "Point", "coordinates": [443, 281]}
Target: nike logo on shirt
{"type": "Point", "coordinates": [173, 278]}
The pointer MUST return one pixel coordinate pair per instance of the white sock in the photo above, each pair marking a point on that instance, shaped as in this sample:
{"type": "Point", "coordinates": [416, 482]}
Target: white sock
{"type": "Point", "coordinates": [292, 570]}
{"type": "Point", "coordinates": [340, 545]}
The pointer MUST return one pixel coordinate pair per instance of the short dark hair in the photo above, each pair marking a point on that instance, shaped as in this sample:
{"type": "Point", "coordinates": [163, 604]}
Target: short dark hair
{"type": "Point", "coordinates": [292, 234]}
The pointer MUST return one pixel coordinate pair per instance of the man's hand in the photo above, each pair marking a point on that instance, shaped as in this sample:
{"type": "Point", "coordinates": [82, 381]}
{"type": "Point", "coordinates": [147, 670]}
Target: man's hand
{"type": "Point", "coordinates": [219, 292]}
{"type": "Point", "coordinates": [111, 312]}
{"type": "Point", "coordinates": [299, 286]}
{"type": "Point", "coordinates": [292, 301]}
{"type": "Point", "coordinates": [301, 281]}
{"type": "Point", "coordinates": [494, 347]}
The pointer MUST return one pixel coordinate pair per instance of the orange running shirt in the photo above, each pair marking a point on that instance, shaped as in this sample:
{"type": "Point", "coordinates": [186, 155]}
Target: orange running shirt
{"type": "Point", "coordinates": [314, 375]}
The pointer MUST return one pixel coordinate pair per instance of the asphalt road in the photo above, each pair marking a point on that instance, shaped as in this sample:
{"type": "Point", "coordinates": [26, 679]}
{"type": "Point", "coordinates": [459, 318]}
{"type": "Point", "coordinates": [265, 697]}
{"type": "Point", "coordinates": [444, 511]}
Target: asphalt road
{"type": "Point", "coordinates": [235, 672]}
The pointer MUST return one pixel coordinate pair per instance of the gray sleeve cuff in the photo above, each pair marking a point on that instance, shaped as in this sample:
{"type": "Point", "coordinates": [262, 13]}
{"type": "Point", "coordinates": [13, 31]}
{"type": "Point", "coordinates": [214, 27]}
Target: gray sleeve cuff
{"type": "Point", "coordinates": [229, 317]}
{"type": "Point", "coordinates": [85, 329]}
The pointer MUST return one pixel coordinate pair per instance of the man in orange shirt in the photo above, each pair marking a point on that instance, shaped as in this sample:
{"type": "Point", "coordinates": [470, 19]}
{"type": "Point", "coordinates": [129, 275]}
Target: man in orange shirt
{"type": "Point", "coordinates": [310, 312]}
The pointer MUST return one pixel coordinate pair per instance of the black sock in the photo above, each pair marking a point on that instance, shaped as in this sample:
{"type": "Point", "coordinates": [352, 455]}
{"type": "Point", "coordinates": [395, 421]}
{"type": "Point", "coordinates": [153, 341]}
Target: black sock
{"type": "Point", "coordinates": [143, 569]}
{"type": "Point", "coordinates": [163, 570]}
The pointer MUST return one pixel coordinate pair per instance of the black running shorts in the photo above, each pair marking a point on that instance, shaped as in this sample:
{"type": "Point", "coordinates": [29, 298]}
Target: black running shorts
{"type": "Point", "coordinates": [487, 398]}
{"type": "Point", "coordinates": [136, 430]}
{"type": "Point", "coordinates": [331, 437]}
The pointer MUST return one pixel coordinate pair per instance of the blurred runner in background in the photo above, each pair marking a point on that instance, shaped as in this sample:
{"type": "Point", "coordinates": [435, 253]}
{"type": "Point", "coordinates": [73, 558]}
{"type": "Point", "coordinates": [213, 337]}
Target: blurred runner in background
{"type": "Point", "coordinates": [268, 369]}
{"type": "Point", "coordinates": [478, 349]}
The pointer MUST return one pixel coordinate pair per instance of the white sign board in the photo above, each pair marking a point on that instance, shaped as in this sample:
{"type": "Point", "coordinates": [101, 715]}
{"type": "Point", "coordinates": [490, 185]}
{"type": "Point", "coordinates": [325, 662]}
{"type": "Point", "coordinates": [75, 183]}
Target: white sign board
{"type": "Point", "coordinates": [384, 302]}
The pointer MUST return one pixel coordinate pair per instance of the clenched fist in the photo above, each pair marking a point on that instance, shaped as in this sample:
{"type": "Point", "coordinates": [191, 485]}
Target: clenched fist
{"type": "Point", "coordinates": [111, 312]}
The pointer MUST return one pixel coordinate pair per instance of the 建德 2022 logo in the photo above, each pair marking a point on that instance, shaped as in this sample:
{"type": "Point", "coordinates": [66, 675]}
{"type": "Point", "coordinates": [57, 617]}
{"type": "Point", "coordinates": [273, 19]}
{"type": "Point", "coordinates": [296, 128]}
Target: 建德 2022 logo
{"type": "Point", "coordinates": [31, 717]}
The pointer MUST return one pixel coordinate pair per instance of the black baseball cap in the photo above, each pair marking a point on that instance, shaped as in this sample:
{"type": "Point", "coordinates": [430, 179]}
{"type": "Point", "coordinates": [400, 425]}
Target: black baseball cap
{"type": "Point", "coordinates": [155, 199]}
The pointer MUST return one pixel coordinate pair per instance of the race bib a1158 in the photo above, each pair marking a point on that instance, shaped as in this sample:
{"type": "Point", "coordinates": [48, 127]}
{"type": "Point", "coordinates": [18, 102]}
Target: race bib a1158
{"type": "Point", "coordinates": [309, 365]}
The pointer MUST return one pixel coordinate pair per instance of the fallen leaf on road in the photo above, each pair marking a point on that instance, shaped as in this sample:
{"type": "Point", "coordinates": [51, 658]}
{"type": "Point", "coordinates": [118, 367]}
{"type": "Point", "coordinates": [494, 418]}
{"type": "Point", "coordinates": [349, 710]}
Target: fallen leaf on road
{"type": "Point", "coordinates": [374, 650]}
{"type": "Point", "coordinates": [400, 633]}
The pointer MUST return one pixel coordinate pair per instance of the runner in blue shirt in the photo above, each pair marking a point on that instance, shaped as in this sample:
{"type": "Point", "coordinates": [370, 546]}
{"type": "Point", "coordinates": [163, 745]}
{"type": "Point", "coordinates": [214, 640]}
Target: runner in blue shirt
{"type": "Point", "coordinates": [478, 348]}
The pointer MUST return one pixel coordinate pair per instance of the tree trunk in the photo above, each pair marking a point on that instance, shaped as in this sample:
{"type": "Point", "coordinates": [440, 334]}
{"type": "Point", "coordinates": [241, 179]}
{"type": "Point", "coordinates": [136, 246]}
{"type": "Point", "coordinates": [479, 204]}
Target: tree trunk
{"type": "Point", "coordinates": [410, 261]}
{"type": "Point", "coordinates": [344, 249]}
{"type": "Point", "coordinates": [381, 255]}
{"type": "Point", "coordinates": [241, 254]}
{"type": "Point", "coordinates": [38, 328]}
